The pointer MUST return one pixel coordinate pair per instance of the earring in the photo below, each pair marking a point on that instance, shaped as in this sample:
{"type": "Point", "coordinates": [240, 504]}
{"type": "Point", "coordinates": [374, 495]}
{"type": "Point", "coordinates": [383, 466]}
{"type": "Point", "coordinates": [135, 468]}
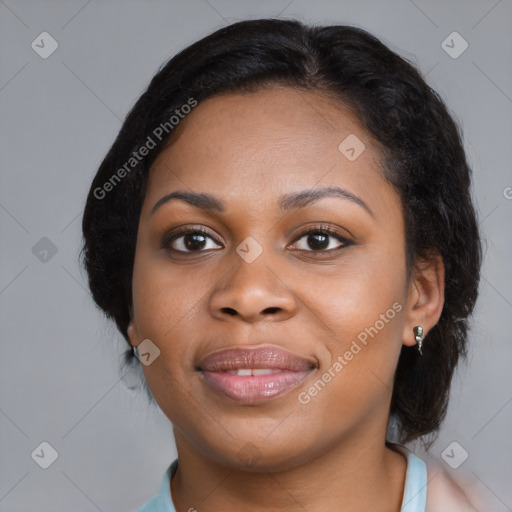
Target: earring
{"type": "Point", "coordinates": [418, 334]}
{"type": "Point", "coordinates": [135, 352]}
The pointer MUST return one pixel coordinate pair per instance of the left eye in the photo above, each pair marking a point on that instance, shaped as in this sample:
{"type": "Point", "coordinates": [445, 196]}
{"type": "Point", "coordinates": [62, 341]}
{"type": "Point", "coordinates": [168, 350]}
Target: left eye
{"type": "Point", "coordinates": [318, 239]}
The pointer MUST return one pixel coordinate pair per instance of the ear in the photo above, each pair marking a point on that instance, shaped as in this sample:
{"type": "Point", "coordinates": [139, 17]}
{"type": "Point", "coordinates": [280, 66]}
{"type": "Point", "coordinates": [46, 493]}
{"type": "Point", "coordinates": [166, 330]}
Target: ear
{"type": "Point", "coordinates": [425, 297]}
{"type": "Point", "coordinates": [132, 333]}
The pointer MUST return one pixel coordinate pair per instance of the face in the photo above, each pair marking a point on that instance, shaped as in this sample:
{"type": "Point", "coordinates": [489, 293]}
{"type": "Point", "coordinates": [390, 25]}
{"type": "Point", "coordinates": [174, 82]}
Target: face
{"type": "Point", "coordinates": [300, 255]}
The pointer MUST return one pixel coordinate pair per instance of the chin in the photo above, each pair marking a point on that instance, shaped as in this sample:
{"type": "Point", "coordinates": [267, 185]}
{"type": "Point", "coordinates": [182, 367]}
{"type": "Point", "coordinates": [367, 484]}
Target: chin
{"type": "Point", "coordinates": [261, 455]}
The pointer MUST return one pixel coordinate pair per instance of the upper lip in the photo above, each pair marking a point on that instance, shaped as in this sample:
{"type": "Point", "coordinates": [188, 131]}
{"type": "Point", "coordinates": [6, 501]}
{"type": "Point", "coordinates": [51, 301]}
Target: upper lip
{"type": "Point", "coordinates": [259, 357]}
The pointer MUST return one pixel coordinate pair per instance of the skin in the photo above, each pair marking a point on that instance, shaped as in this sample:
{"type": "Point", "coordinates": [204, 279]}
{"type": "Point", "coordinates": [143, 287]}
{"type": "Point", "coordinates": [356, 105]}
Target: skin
{"type": "Point", "coordinates": [249, 149]}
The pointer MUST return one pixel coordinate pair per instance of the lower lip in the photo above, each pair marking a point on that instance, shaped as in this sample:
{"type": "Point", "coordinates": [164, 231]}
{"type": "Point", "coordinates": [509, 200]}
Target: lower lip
{"type": "Point", "coordinates": [255, 388]}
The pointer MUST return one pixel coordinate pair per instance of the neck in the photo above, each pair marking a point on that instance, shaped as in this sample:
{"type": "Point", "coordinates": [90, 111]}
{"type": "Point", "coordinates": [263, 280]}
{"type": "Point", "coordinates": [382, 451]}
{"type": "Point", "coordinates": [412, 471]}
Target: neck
{"type": "Point", "coordinates": [358, 474]}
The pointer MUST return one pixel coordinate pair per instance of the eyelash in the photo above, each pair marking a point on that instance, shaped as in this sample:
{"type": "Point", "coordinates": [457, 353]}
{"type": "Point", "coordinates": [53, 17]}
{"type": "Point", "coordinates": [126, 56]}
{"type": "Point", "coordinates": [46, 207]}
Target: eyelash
{"type": "Point", "coordinates": [325, 230]}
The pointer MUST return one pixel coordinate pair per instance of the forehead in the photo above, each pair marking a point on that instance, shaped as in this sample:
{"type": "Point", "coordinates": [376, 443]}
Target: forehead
{"type": "Point", "coordinates": [254, 145]}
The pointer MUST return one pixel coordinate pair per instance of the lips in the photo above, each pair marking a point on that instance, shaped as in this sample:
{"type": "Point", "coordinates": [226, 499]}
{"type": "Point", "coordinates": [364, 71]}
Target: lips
{"type": "Point", "coordinates": [251, 375]}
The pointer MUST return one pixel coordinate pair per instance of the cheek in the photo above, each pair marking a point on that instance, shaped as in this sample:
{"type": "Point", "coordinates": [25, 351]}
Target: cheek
{"type": "Point", "coordinates": [164, 307]}
{"type": "Point", "coordinates": [361, 311]}
{"type": "Point", "coordinates": [163, 297]}
{"type": "Point", "coordinates": [357, 380]}
{"type": "Point", "coordinates": [355, 294]}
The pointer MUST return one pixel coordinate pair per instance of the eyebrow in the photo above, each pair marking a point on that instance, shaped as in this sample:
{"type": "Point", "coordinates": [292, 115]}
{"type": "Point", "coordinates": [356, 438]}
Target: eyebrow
{"type": "Point", "coordinates": [286, 202]}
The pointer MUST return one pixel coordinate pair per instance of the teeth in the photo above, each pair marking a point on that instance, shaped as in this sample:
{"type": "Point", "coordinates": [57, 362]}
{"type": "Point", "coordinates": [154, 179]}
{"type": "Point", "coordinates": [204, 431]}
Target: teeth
{"type": "Point", "coordinates": [265, 371]}
{"type": "Point", "coordinates": [246, 372]}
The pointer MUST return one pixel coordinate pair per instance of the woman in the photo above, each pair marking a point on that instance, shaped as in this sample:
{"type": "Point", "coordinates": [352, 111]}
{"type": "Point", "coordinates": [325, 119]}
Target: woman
{"type": "Point", "coordinates": [283, 232]}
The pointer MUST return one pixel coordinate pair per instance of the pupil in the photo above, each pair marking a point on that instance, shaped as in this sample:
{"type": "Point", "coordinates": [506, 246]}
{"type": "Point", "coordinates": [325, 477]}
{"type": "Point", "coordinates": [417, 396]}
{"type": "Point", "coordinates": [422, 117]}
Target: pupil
{"type": "Point", "coordinates": [313, 241]}
{"type": "Point", "coordinates": [193, 245]}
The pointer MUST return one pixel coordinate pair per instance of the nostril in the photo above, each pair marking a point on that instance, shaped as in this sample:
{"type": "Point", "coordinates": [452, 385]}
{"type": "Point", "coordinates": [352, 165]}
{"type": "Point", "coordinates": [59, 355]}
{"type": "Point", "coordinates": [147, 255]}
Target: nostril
{"type": "Point", "coordinates": [229, 311]}
{"type": "Point", "coordinates": [271, 310]}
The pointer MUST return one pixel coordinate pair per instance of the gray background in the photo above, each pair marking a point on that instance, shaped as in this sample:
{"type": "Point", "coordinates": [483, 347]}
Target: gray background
{"type": "Point", "coordinates": [59, 375]}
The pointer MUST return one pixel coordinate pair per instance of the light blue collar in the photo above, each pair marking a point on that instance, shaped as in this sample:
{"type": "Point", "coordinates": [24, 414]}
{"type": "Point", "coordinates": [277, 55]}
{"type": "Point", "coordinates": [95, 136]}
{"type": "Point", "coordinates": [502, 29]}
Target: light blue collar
{"type": "Point", "coordinates": [162, 502]}
{"type": "Point", "coordinates": [415, 489]}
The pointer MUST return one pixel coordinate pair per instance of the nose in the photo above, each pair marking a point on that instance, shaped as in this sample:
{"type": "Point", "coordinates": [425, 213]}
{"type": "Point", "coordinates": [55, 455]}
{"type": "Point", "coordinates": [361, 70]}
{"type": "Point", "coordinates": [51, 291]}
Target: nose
{"type": "Point", "coordinates": [252, 292]}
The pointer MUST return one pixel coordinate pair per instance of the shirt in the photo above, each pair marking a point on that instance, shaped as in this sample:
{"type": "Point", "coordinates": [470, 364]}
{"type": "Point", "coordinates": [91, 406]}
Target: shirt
{"type": "Point", "coordinates": [414, 497]}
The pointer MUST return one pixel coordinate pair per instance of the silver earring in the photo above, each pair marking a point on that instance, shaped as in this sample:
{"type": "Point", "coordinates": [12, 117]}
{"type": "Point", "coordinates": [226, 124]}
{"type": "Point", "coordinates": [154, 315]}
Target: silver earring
{"type": "Point", "coordinates": [135, 352]}
{"type": "Point", "coordinates": [418, 334]}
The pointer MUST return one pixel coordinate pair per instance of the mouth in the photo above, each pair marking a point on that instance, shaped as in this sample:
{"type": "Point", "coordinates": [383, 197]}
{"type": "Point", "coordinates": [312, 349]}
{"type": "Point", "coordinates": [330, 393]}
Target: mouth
{"type": "Point", "coordinates": [251, 375]}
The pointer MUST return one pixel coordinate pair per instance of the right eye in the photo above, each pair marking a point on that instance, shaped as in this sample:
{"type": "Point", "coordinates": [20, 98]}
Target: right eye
{"type": "Point", "coordinates": [188, 240]}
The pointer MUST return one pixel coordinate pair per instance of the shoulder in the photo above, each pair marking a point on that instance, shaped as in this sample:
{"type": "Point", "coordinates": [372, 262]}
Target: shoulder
{"type": "Point", "coordinates": [454, 491]}
{"type": "Point", "coordinates": [444, 492]}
